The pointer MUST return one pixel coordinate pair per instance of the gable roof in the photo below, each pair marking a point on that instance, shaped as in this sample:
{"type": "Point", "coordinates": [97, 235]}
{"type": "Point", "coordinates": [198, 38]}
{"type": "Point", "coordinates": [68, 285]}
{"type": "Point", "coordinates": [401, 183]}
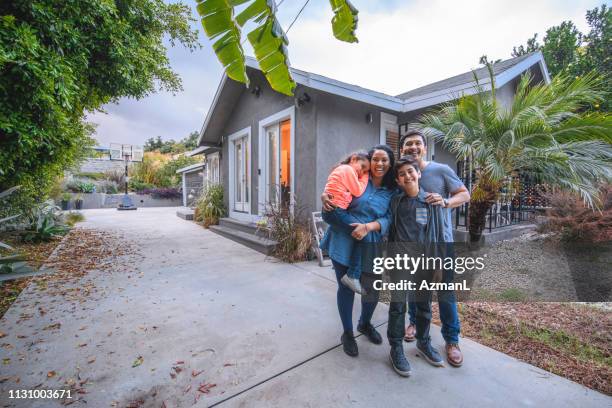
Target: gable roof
{"type": "Point", "coordinates": [422, 97]}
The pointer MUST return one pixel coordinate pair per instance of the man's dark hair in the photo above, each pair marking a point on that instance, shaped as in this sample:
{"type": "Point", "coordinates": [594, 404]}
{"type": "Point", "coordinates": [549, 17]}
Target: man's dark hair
{"type": "Point", "coordinates": [407, 161]}
{"type": "Point", "coordinates": [410, 133]}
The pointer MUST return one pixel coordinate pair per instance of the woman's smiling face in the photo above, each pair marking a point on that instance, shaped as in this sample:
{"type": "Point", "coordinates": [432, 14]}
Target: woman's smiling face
{"type": "Point", "coordinates": [379, 164]}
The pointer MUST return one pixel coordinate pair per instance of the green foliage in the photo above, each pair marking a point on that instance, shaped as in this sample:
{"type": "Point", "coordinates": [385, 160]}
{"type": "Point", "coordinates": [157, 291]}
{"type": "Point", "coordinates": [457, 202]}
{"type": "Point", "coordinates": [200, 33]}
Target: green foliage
{"type": "Point", "coordinates": [90, 175]}
{"type": "Point", "coordinates": [5, 220]}
{"type": "Point", "coordinates": [542, 134]}
{"type": "Point", "coordinates": [44, 223]}
{"type": "Point", "coordinates": [79, 186]}
{"type": "Point", "coordinates": [73, 217]}
{"type": "Point", "coordinates": [56, 68]}
{"type": "Point", "coordinates": [568, 51]}
{"type": "Point", "coordinates": [157, 171]}
{"type": "Point", "coordinates": [137, 185]}
{"type": "Point", "coordinates": [171, 146]}
{"type": "Point", "coordinates": [210, 206]}
{"type": "Point", "coordinates": [268, 39]}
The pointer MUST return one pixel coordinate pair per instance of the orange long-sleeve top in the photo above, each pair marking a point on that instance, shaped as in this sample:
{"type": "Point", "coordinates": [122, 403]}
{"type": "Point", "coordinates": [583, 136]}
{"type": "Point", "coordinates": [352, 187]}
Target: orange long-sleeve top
{"type": "Point", "coordinates": [343, 183]}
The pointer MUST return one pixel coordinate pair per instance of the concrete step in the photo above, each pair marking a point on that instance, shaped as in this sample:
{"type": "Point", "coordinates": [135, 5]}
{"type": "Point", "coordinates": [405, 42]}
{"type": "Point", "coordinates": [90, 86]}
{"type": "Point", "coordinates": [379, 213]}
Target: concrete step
{"type": "Point", "coordinates": [243, 226]}
{"type": "Point", "coordinates": [260, 244]}
{"type": "Point", "coordinates": [185, 213]}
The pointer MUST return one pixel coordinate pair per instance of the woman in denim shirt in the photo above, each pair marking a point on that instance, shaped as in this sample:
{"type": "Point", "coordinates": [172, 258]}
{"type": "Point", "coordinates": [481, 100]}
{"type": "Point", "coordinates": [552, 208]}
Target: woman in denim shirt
{"type": "Point", "coordinates": [372, 209]}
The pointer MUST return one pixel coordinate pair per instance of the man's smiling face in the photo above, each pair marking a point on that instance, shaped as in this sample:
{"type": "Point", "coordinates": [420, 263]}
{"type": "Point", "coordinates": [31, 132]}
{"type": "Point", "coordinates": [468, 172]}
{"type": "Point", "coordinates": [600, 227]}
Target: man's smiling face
{"type": "Point", "coordinates": [413, 146]}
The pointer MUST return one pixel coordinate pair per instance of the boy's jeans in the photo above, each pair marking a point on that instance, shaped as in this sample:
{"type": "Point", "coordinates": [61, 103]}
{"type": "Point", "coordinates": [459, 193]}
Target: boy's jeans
{"type": "Point", "coordinates": [342, 219]}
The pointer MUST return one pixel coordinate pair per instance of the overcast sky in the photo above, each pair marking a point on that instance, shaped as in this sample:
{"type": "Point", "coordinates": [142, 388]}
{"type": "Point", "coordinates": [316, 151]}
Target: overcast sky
{"type": "Point", "coordinates": [402, 45]}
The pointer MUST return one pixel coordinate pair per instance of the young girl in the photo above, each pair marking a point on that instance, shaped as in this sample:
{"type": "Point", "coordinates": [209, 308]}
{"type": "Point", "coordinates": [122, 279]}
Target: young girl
{"type": "Point", "coordinates": [348, 179]}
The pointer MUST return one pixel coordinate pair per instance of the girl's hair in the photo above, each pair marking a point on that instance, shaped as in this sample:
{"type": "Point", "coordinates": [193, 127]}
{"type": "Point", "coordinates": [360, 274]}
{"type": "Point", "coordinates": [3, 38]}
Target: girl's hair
{"type": "Point", "coordinates": [360, 154]}
{"type": "Point", "coordinates": [389, 178]}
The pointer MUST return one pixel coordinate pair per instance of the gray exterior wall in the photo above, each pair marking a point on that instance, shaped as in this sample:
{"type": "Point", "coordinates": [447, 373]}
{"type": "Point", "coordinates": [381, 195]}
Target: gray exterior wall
{"type": "Point", "coordinates": [251, 109]}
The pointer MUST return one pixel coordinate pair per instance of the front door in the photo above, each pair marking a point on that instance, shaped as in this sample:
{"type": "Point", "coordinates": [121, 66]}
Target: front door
{"type": "Point", "coordinates": [277, 169]}
{"type": "Point", "coordinates": [240, 173]}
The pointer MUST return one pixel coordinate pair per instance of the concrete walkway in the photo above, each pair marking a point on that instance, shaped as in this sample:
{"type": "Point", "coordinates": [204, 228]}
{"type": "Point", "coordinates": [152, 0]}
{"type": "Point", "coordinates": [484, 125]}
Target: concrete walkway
{"type": "Point", "coordinates": [208, 314]}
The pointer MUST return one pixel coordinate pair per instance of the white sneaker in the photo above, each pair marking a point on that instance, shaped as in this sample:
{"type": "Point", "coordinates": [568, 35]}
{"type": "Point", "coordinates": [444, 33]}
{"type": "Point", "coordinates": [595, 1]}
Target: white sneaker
{"type": "Point", "coordinates": [352, 283]}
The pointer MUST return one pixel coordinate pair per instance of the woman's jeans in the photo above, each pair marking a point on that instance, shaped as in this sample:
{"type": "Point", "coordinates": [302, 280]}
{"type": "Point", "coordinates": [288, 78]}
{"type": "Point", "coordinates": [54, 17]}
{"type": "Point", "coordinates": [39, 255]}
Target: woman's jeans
{"type": "Point", "coordinates": [346, 297]}
{"type": "Point", "coordinates": [342, 219]}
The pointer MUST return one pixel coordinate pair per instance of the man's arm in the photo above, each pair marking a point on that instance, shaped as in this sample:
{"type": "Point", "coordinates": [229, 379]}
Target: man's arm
{"type": "Point", "coordinates": [459, 194]}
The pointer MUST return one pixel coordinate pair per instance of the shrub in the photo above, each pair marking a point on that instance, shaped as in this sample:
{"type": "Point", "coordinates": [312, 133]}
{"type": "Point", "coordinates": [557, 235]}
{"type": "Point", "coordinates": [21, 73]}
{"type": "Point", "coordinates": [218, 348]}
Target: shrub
{"type": "Point", "coordinates": [73, 217]}
{"type": "Point", "coordinates": [163, 192]}
{"type": "Point", "coordinates": [210, 206]}
{"type": "Point", "coordinates": [108, 187]}
{"type": "Point", "coordinates": [290, 231]}
{"type": "Point", "coordinates": [569, 217]}
{"type": "Point", "coordinates": [44, 223]}
{"type": "Point", "coordinates": [117, 176]}
{"type": "Point", "coordinates": [79, 186]}
{"type": "Point", "coordinates": [139, 186]}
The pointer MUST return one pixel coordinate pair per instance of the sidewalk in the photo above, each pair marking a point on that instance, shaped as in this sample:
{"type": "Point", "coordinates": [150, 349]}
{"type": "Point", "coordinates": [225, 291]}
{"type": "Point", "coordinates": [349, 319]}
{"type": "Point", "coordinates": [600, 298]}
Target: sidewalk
{"type": "Point", "coordinates": [206, 313]}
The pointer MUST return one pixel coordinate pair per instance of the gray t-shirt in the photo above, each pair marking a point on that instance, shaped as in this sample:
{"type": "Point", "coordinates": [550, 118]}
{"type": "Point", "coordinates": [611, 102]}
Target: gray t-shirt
{"type": "Point", "coordinates": [441, 179]}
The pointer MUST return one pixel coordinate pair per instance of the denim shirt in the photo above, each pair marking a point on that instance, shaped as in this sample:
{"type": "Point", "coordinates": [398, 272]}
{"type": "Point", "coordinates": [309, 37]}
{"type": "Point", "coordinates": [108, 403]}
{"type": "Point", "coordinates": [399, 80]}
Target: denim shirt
{"type": "Point", "coordinates": [372, 205]}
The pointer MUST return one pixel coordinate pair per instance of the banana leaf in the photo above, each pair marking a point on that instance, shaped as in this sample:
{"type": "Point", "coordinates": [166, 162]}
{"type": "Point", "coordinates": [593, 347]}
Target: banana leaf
{"type": "Point", "coordinates": [344, 22]}
{"type": "Point", "coordinates": [218, 22]}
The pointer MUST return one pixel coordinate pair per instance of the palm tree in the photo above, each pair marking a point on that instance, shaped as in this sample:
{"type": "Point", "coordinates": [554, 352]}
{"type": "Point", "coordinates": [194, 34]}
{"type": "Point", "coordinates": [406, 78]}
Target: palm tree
{"type": "Point", "coordinates": [268, 38]}
{"type": "Point", "coordinates": [542, 134]}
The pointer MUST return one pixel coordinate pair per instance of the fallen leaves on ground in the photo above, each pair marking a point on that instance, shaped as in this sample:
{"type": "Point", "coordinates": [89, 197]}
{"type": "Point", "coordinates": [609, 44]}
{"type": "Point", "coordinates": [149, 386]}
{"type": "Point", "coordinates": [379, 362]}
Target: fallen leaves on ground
{"type": "Point", "coordinates": [138, 361]}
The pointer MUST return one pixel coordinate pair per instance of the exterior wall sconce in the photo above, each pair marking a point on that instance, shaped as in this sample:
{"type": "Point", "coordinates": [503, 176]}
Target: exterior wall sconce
{"type": "Point", "coordinates": [302, 100]}
{"type": "Point", "coordinates": [256, 91]}
{"type": "Point", "coordinates": [369, 118]}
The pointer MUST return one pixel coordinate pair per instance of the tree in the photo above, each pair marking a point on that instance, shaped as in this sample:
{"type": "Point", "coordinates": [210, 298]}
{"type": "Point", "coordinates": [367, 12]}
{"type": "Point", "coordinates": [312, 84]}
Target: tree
{"type": "Point", "coordinates": [567, 50]}
{"type": "Point", "coordinates": [61, 60]}
{"type": "Point", "coordinates": [268, 39]}
{"type": "Point", "coordinates": [191, 141]}
{"type": "Point", "coordinates": [484, 60]}
{"type": "Point", "coordinates": [541, 135]}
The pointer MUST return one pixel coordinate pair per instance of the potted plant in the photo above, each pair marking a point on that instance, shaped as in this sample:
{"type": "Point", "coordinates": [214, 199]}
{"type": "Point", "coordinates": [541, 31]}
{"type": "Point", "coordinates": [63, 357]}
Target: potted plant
{"type": "Point", "coordinates": [66, 201]}
{"type": "Point", "coordinates": [78, 202]}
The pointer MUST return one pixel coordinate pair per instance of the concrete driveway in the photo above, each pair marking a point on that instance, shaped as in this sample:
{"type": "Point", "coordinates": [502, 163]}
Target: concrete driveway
{"type": "Point", "coordinates": [210, 322]}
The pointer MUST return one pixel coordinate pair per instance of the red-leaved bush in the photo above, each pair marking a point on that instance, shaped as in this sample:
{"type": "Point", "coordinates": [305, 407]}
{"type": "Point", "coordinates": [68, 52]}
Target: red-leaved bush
{"type": "Point", "coordinates": [574, 221]}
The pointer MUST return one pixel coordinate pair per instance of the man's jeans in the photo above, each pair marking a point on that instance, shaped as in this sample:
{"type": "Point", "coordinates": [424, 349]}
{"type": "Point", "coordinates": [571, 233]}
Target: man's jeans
{"type": "Point", "coordinates": [449, 316]}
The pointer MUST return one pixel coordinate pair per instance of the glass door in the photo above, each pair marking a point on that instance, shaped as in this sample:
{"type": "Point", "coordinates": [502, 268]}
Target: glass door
{"type": "Point", "coordinates": [241, 175]}
{"type": "Point", "coordinates": [278, 164]}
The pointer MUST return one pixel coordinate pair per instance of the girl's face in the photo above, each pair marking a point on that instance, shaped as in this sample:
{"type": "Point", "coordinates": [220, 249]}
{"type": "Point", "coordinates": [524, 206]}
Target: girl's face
{"type": "Point", "coordinates": [360, 165]}
{"type": "Point", "coordinates": [379, 164]}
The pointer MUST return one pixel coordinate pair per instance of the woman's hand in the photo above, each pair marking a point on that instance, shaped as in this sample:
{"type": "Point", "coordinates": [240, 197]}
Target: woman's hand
{"type": "Point", "coordinates": [327, 203]}
{"type": "Point", "coordinates": [360, 231]}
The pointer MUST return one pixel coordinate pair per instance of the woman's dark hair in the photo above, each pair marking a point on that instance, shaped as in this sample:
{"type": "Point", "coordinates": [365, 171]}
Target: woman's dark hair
{"type": "Point", "coordinates": [389, 178]}
{"type": "Point", "coordinates": [360, 154]}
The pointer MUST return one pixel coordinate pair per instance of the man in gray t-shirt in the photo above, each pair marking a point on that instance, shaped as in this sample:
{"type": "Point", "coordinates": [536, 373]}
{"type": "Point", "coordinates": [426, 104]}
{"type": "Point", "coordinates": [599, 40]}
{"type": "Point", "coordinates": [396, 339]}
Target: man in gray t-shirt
{"type": "Point", "coordinates": [443, 188]}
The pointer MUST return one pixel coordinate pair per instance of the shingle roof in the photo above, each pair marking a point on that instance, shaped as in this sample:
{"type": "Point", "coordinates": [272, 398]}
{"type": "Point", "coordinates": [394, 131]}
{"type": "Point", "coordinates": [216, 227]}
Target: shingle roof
{"type": "Point", "coordinates": [465, 78]}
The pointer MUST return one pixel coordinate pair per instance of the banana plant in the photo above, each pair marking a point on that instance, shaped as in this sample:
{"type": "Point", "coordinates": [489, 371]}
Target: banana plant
{"type": "Point", "coordinates": [268, 39]}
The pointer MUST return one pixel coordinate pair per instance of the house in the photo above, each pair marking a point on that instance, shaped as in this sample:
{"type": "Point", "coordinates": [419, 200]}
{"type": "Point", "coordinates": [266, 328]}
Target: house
{"type": "Point", "coordinates": [265, 146]}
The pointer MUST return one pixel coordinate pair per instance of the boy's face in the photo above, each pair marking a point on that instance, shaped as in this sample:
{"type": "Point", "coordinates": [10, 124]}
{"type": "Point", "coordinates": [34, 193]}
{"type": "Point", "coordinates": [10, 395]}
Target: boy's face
{"type": "Point", "coordinates": [408, 177]}
{"type": "Point", "coordinates": [414, 146]}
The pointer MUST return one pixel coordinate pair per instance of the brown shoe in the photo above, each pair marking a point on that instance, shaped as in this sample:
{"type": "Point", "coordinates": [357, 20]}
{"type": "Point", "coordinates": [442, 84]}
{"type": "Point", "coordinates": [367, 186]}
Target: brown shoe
{"type": "Point", "coordinates": [454, 355]}
{"type": "Point", "coordinates": [410, 334]}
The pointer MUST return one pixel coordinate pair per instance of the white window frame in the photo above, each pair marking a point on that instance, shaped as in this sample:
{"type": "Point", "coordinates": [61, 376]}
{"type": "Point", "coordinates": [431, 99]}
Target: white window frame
{"type": "Point", "coordinates": [262, 164]}
{"type": "Point", "coordinates": [238, 215]}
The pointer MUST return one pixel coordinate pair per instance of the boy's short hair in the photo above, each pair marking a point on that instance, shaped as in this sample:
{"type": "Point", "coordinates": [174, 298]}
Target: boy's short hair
{"type": "Point", "coordinates": [411, 133]}
{"type": "Point", "coordinates": [407, 160]}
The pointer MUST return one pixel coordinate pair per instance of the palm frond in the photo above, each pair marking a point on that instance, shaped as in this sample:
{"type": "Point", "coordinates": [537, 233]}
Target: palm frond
{"type": "Point", "coordinates": [344, 22]}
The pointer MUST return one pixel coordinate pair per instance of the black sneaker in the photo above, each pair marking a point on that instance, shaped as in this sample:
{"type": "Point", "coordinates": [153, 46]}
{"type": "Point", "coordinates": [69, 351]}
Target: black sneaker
{"type": "Point", "coordinates": [349, 344]}
{"type": "Point", "coordinates": [399, 362]}
{"type": "Point", "coordinates": [370, 332]}
{"type": "Point", "coordinates": [429, 353]}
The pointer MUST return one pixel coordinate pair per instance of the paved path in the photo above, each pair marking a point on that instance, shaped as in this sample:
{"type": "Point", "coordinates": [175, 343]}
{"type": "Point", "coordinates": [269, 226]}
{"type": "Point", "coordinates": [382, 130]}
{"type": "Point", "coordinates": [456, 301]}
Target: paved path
{"type": "Point", "coordinates": [206, 311]}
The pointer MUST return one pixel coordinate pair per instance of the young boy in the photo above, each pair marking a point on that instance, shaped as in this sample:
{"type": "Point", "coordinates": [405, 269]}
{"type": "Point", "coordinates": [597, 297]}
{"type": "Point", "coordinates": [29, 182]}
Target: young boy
{"type": "Point", "coordinates": [419, 225]}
